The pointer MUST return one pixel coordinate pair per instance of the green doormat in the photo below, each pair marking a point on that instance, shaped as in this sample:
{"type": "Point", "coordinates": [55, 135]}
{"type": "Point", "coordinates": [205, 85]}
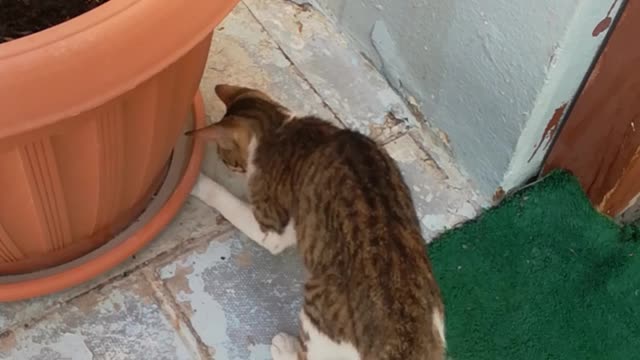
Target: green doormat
{"type": "Point", "coordinates": [542, 276]}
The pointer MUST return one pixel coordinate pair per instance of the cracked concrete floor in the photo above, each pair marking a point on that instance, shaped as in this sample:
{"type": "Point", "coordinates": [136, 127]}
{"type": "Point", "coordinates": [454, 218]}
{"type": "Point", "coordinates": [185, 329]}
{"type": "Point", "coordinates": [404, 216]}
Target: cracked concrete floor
{"type": "Point", "coordinates": [201, 290]}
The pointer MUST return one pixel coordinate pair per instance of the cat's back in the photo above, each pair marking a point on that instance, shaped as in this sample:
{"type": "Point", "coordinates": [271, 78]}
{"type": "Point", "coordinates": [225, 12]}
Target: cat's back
{"type": "Point", "coordinates": [359, 224]}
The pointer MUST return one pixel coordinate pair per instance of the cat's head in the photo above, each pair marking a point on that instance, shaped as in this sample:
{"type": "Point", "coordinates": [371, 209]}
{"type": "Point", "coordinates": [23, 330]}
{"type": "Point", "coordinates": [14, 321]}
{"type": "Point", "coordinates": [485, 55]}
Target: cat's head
{"type": "Point", "coordinates": [251, 114]}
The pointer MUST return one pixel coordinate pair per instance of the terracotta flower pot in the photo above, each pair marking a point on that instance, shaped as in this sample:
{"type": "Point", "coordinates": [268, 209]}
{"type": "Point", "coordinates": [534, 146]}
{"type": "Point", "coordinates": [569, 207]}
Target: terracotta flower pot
{"type": "Point", "coordinates": [90, 113]}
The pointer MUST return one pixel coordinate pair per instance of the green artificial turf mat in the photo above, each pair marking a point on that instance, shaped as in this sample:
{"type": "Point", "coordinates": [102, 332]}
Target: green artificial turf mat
{"type": "Point", "coordinates": [541, 276]}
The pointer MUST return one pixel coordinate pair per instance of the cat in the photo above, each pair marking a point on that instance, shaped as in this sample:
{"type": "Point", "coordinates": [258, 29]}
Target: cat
{"type": "Point", "coordinates": [340, 198]}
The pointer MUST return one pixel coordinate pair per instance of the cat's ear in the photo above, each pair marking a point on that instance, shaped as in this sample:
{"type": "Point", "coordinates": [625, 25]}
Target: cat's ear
{"type": "Point", "coordinates": [228, 93]}
{"type": "Point", "coordinates": [223, 136]}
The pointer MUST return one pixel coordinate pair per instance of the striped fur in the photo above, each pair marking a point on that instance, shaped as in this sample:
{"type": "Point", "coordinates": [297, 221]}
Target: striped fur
{"type": "Point", "coordinates": [371, 285]}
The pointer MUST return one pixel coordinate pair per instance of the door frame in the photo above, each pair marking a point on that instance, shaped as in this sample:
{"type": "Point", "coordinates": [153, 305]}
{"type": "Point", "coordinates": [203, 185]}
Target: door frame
{"type": "Point", "coordinates": [599, 140]}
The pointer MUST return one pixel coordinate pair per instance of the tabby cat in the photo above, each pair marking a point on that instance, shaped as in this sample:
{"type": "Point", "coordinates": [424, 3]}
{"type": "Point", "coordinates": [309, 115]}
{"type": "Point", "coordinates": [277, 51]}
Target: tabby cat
{"type": "Point", "coordinates": [341, 199]}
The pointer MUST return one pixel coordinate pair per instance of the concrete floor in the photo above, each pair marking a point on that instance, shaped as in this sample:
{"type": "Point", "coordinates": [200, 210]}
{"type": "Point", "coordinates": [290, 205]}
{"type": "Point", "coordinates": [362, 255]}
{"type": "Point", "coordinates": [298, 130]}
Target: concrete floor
{"type": "Point", "coordinates": [202, 290]}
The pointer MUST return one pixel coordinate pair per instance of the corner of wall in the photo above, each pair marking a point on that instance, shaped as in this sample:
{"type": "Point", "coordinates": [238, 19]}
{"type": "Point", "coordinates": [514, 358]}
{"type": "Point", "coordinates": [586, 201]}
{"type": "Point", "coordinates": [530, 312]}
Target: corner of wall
{"type": "Point", "coordinates": [568, 67]}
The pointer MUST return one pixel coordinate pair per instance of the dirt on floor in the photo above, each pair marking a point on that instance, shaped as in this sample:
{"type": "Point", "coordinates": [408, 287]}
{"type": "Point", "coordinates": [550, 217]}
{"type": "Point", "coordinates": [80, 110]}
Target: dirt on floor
{"type": "Point", "coordinates": [20, 18]}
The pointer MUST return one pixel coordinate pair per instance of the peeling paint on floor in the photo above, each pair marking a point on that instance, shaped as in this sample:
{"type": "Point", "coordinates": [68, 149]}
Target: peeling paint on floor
{"type": "Point", "coordinates": [194, 221]}
{"type": "Point", "coordinates": [439, 202]}
{"type": "Point", "coordinates": [356, 92]}
{"type": "Point", "coordinates": [259, 352]}
{"type": "Point", "coordinates": [237, 309]}
{"type": "Point", "coordinates": [120, 322]}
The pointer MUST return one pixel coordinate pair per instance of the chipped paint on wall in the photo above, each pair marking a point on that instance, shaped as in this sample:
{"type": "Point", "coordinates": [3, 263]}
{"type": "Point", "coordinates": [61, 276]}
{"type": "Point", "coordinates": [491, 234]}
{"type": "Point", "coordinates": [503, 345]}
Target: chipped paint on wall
{"type": "Point", "coordinates": [575, 53]}
{"type": "Point", "coordinates": [498, 195]}
{"type": "Point", "coordinates": [549, 130]}
{"type": "Point", "coordinates": [604, 24]}
{"type": "Point", "coordinates": [488, 73]}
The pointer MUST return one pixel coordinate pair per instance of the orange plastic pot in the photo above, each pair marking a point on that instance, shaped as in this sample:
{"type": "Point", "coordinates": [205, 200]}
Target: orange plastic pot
{"type": "Point", "coordinates": [91, 112]}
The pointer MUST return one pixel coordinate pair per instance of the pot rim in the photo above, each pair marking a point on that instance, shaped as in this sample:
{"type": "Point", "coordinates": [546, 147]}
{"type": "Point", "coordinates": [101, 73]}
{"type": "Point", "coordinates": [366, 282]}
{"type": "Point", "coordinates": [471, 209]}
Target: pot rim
{"type": "Point", "coordinates": [159, 213]}
{"type": "Point", "coordinates": [42, 80]}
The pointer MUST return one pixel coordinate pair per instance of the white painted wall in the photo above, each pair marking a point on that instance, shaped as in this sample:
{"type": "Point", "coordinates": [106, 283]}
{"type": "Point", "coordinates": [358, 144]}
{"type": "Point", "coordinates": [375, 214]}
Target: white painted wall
{"type": "Point", "coordinates": [489, 73]}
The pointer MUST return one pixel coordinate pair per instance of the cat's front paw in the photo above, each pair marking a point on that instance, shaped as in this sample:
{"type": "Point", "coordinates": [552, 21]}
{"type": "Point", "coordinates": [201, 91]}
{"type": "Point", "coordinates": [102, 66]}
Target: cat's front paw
{"type": "Point", "coordinates": [285, 347]}
{"type": "Point", "coordinates": [277, 243]}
